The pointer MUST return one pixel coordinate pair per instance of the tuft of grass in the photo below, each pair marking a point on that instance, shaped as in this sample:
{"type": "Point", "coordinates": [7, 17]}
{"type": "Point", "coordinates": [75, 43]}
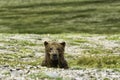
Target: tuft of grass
{"type": "Point", "coordinates": [99, 61]}
{"type": "Point", "coordinates": [6, 73]}
{"type": "Point", "coordinates": [18, 59]}
{"type": "Point", "coordinates": [115, 37]}
{"type": "Point", "coordinates": [98, 50]}
{"type": "Point", "coordinates": [39, 76]}
{"type": "Point", "coordinates": [80, 40]}
{"type": "Point", "coordinates": [106, 79]}
{"type": "Point", "coordinates": [21, 42]}
{"type": "Point", "coordinates": [118, 70]}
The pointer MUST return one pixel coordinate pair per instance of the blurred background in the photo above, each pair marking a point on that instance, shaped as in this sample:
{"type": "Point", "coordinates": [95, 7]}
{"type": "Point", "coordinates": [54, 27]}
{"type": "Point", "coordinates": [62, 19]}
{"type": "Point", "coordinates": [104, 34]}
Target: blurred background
{"type": "Point", "coordinates": [60, 16]}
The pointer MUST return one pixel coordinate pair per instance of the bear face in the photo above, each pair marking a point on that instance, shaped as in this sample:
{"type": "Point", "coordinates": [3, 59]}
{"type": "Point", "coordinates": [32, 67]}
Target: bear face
{"type": "Point", "coordinates": [54, 55]}
{"type": "Point", "coordinates": [54, 50]}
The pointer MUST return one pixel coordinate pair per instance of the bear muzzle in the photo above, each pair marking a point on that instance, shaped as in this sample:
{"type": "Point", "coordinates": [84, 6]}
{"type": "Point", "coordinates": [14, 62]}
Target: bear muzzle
{"type": "Point", "coordinates": [55, 57]}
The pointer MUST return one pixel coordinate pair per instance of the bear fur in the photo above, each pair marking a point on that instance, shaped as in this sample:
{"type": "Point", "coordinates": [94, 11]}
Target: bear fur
{"type": "Point", "coordinates": [54, 55]}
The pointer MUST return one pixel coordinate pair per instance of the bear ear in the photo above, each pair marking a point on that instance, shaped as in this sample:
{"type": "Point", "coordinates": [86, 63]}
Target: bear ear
{"type": "Point", "coordinates": [63, 44]}
{"type": "Point", "coordinates": [45, 43]}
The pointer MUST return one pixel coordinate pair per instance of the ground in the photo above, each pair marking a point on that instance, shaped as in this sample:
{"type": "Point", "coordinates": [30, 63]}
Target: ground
{"type": "Point", "coordinates": [89, 57]}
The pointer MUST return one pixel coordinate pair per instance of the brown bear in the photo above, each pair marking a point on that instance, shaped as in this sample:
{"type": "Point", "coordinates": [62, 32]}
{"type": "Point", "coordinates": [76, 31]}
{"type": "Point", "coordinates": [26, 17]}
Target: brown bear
{"type": "Point", "coordinates": [54, 55]}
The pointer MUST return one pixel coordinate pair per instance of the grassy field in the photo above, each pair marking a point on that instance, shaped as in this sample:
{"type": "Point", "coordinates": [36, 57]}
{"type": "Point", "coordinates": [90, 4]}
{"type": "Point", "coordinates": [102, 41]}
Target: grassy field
{"type": "Point", "coordinates": [21, 56]}
{"type": "Point", "coordinates": [60, 16]}
{"type": "Point", "coordinates": [82, 50]}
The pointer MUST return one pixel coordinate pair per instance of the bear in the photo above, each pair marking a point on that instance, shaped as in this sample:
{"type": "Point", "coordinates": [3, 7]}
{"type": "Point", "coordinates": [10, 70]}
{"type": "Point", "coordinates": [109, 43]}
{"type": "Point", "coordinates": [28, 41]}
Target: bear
{"type": "Point", "coordinates": [54, 55]}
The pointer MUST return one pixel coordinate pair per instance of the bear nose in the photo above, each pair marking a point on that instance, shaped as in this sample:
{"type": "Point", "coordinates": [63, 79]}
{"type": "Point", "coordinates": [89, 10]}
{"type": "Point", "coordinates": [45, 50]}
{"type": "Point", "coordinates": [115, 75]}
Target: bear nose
{"type": "Point", "coordinates": [55, 55]}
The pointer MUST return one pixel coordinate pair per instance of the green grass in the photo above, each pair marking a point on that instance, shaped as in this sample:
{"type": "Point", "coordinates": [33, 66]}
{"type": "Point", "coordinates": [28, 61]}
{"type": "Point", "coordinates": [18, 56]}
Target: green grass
{"type": "Point", "coordinates": [80, 40]}
{"type": "Point", "coordinates": [15, 60]}
{"type": "Point", "coordinates": [115, 37]}
{"type": "Point", "coordinates": [61, 16]}
{"type": "Point", "coordinates": [39, 76]}
{"type": "Point", "coordinates": [98, 50]}
{"type": "Point", "coordinates": [95, 61]}
{"type": "Point", "coordinates": [19, 50]}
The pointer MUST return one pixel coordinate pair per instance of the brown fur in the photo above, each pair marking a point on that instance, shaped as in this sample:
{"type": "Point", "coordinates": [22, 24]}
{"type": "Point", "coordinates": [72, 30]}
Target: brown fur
{"type": "Point", "coordinates": [54, 55]}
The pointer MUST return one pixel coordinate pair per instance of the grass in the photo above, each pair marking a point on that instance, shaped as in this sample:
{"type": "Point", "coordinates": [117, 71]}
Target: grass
{"type": "Point", "coordinates": [21, 60]}
{"type": "Point", "coordinates": [28, 49]}
{"type": "Point", "coordinates": [61, 16]}
{"type": "Point", "coordinates": [98, 50]}
{"type": "Point", "coordinates": [42, 75]}
{"type": "Point", "coordinates": [115, 37]}
{"type": "Point", "coordinates": [94, 61]}
{"type": "Point", "coordinates": [80, 40]}
{"type": "Point", "coordinates": [99, 61]}
{"type": "Point", "coordinates": [39, 76]}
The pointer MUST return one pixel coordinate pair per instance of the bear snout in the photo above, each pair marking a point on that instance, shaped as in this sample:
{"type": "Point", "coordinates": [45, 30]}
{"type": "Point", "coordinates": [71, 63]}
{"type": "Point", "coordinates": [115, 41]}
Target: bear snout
{"type": "Point", "coordinates": [54, 56]}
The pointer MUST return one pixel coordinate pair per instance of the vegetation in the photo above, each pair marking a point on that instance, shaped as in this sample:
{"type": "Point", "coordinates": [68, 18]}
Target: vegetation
{"type": "Point", "coordinates": [99, 61]}
{"type": "Point", "coordinates": [25, 49]}
{"type": "Point", "coordinates": [60, 16]}
{"type": "Point", "coordinates": [43, 76]}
